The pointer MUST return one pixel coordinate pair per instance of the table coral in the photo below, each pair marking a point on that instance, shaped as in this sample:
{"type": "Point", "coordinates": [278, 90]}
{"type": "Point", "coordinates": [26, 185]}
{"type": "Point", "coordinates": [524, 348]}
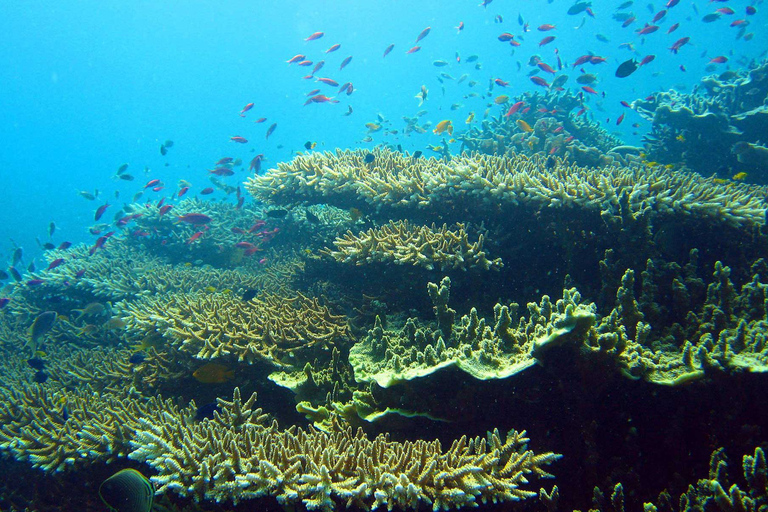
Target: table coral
{"type": "Point", "coordinates": [403, 243]}
{"type": "Point", "coordinates": [276, 329]}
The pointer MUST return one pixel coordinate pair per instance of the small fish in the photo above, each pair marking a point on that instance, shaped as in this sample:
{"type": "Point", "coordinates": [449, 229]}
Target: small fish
{"type": "Point", "coordinates": [213, 373]}
{"type": "Point", "coordinates": [196, 219]}
{"type": "Point", "coordinates": [207, 411]}
{"type": "Point", "coordinates": [239, 139]}
{"type": "Point", "coordinates": [440, 63]}
{"type": "Point", "coordinates": [309, 145]}
{"type": "Point", "coordinates": [333, 48]}
{"type": "Point", "coordinates": [388, 49]}
{"type": "Point", "coordinates": [546, 27]}
{"type": "Point", "coordinates": [100, 211]}
{"type": "Point", "coordinates": [277, 213]}
{"type": "Point", "coordinates": [443, 126]}
{"type": "Point", "coordinates": [296, 58]}
{"type": "Point", "coordinates": [271, 130]}
{"type": "Point", "coordinates": [88, 195]}
{"type": "Point", "coordinates": [245, 109]}
{"type": "Point", "coordinates": [344, 63]}
{"type": "Point", "coordinates": [137, 358]}
{"type": "Point", "coordinates": [128, 491]}
{"type": "Point", "coordinates": [424, 33]}
{"type": "Point", "coordinates": [40, 327]}
{"type": "Point", "coordinates": [413, 49]}
{"type": "Point", "coordinates": [546, 40]}
{"type": "Point", "coordinates": [369, 158]}
{"type": "Point", "coordinates": [709, 18]}
{"type": "Point", "coordinates": [40, 377]}
{"type": "Point", "coordinates": [524, 126]}
{"type": "Point", "coordinates": [315, 35]}
{"type": "Point", "coordinates": [36, 363]}
{"type": "Point", "coordinates": [206, 191]}
{"type": "Point", "coordinates": [741, 176]}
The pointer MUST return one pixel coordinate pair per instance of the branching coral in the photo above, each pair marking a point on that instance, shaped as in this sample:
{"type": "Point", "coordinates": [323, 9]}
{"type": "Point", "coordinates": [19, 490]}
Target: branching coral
{"type": "Point", "coordinates": [238, 456]}
{"type": "Point", "coordinates": [395, 184]}
{"type": "Point", "coordinates": [276, 329]}
{"type": "Point", "coordinates": [403, 243]}
{"type": "Point", "coordinates": [483, 351]}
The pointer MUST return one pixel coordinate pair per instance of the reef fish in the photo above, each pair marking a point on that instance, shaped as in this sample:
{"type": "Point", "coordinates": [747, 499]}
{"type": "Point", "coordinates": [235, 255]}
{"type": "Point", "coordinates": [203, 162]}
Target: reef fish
{"type": "Point", "coordinates": [213, 373]}
{"type": "Point", "coordinates": [195, 219]}
{"type": "Point", "coordinates": [40, 327]}
{"type": "Point", "coordinates": [626, 68]}
{"type": "Point", "coordinates": [127, 491]}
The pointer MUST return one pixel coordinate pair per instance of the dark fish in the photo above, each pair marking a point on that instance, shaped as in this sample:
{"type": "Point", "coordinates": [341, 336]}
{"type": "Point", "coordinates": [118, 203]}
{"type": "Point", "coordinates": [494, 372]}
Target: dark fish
{"type": "Point", "coordinates": [127, 491]}
{"type": "Point", "coordinates": [578, 8]}
{"type": "Point", "coordinates": [369, 158]}
{"type": "Point", "coordinates": [48, 246]}
{"type": "Point", "coordinates": [206, 411]}
{"type": "Point", "coordinates": [18, 253]}
{"type": "Point", "coordinates": [626, 68]}
{"type": "Point", "coordinates": [551, 163]}
{"type": "Point", "coordinates": [31, 266]}
{"type": "Point", "coordinates": [122, 169]}
{"type": "Point", "coordinates": [168, 144]}
{"type": "Point", "coordinates": [36, 363]}
{"type": "Point", "coordinates": [136, 358]}
{"type": "Point", "coordinates": [417, 154]}
{"type": "Point", "coordinates": [309, 145]}
{"type": "Point", "coordinates": [709, 18]}
{"type": "Point", "coordinates": [40, 376]}
{"type": "Point", "coordinates": [51, 228]}
{"type": "Point", "coordinates": [278, 213]}
{"type": "Point", "coordinates": [311, 217]}
{"type": "Point", "coordinates": [163, 150]}
{"type": "Point", "coordinates": [15, 274]}
{"type": "Point", "coordinates": [127, 177]}
{"type": "Point", "coordinates": [3, 275]}
{"type": "Point", "coordinates": [249, 294]}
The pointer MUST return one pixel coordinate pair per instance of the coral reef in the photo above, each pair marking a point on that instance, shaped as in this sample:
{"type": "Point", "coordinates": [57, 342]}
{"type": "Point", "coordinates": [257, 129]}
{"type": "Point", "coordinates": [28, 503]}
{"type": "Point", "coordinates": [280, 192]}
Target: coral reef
{"type": "Point", "coordinates": [238, 455]}
{"type": "Point", "coordinates": [391, 356]}
{"type": "Point", "coordinates": [402, 243]}
{"type": "Point", "coordinates": [275, 329]}
{"type": "Point", "coordinates": [396, 185]}
{"type": "Point", "coordinates": [718, 128]}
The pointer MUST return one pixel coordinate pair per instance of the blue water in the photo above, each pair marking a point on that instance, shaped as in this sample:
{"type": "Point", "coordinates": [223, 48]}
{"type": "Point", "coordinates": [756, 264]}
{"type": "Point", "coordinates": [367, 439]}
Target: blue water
{"type": "Point", "coordinates": [87, 86]}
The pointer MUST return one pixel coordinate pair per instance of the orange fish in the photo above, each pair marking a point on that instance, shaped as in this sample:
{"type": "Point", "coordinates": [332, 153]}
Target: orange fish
{"type": "Point", "coordinates": [423, 34]}
{"type": "Point", "coordinates": [246, 109]}
{"type": "Point", "coordinates": [238, 139]}
{"type": "Point", "coordinates": [443, 126]}
{"type": "Point", "coordinates": [316, 35]}
{"type": "Point", "coordinates": [213, 373]}
{"type": "Point", "coordinates": [333, 48]}
{"type": "Point", "coordinates": [414, 49]}
{"type": "Point", "coordinates": [524, 126]}
{"type": "Point", "coordinates": [545, 27]}
{"type": "Point", "coordinates": [196, 236]}
{"type": "Point", "coordinates": [296, 58]}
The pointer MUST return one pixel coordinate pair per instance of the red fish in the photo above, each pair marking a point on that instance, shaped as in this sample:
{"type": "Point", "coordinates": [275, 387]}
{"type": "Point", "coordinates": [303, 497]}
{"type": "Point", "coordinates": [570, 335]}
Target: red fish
{"type": "Point", "coordinates": [320, 98]}
{"type": "Point", "coordinates": [100, 211]}
{"type": "Point", "coordinates": [546, 67]}
{"type": "Point", "coordinates": [152, 183]}
{"type": "Point", "coordinates": [679, 44]}
{"type": "Point", "coordinates": [725, 10]}
{"type": "Point", "coordinates": [225, 160]}
{"type": "Point", "coordinates": [673, 28]}
{"type": "Point", "coordinates": [256, 163]}
{"type": "Point", "coordinates": [414, 49]}
{"type": "Point", "coordinates": [244, 245]}
{"type": "Point", "coordinates": [206, 191]}
{"type": "Point", "coordinates": [246, 108]}
{"type": "Point", "coordinates": [628, 22]}
{"type": "Point", "coordinates": [271, 130]}
{"type": "Point", "coordinates": [239, 139]}
{"type": "Point", "coordinates": [35, 282]}
{"type": "Point", "coordinates": [672, 3]}
{"type": "Point", "coordinates": [514, 108]}
{"type": "Point", "coordinates": [736, 23]}
{"type": "Point", "coordinates": [594, 59]}
{"type": "Point", "coordinates": [460, 27]}
{"type": "Point", "coordinates": [624, 103]}
{"type": "Point", "coordinates": [196, 219]}
{"type": "Point", "coordinates": [79, 274]}
{"type": "Point", "coordinates": [751, 10]}
{"type": "Point", "coordinates": [717, 60]}
{"type": "Point", "coordinates": [316, 35]}
{"type": "Point", "coordinates": [333, 48]}
{"type": "Point", "coordinates": [500, 82]}
{"type": "Point", "coordinates": [64, 245]}
{"type": "Point", "coordinates": [506, 36]}
{"type": "Point", "coordinates": [195, 237]}
{"type": "Point", "coordinates": [4, 302]}
{"type": "Point", "coordinates": [539, 81]}
{"type": "Point", "coordinates": [424, 33]}
{"type": "Point", "coordinates": [296, 58]}
{"type": "Point", "coordinates": [620, 119]}
{"type": "Point", "coordinates": [317, 67]}
{"type": "Point", "coordinates": [514, 43]}
{"type": "Point", "coordinates": [546, 40]}
{"type": "Point", "coordinates": [182, 191]}
{"type": "Point", "coordinates": [305, 63]}
{"type": "Point", "coordinates": [545, 27]}
{"type": "Point", "coordinates": [588, 89]}
{"type": "Point", "coordinates": [648, 29]}
{"type": "Point", "coordinates": [260, 120]}
{"type": "Point", "coordinates": [646, 60]}
{"type": "Point", "coordinates": [165, 209]}
{"type": "Point", "coordinates": [659, 15]}
{"type": "Point", "coordinates": [55, 263]}
{"type": "Point", "coordinates": [387, 50]}
{"type": "Point", "coordinates": [581, 60]}
{"type": "Point", "coordinates": [345, 62]}
{"type": "Point", "coordinates": [313, 92]}
{"type": "Point", "coordinates": [327, 81]}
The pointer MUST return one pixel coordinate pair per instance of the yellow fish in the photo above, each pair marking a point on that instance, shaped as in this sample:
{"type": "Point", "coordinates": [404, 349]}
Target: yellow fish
{"type": "Point", "coordinates": [503, 98]}
{"type": "Point", "coordinates": [524, 126]}
{"type": "Point", "coordinates": [720, 181]}
{"type": "Point", "coordinates": [213, 373]}
{"type": "Point", "coordinates": [373, 127]}
{"type": "Point", "coordinates": [443, 126]}
{"type": "Point", "coordinates": [680, 138]}
{"type": "Point", "coordinates": [739, 176]}
{"type": "Point", "coordinates": [470, 118]}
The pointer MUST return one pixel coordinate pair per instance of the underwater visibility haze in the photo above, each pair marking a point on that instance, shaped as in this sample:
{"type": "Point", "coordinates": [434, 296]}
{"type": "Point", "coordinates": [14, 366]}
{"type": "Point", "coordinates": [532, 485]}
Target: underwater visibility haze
{"type": "Point", "coordinates": [384, 255]}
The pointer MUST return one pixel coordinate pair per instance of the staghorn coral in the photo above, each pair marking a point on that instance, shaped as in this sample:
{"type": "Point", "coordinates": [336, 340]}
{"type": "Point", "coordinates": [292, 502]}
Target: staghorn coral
{"type": "Point", "coordinates": [276, 329]}
{"type": "Point", "coordinates": [238, 456]}
{"type": "Point", "coordinates": [484, 352]}
{"type": "Point", "coordinates": [403, 243]}
{"type": "Point", "coordinates": [394, 184]}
